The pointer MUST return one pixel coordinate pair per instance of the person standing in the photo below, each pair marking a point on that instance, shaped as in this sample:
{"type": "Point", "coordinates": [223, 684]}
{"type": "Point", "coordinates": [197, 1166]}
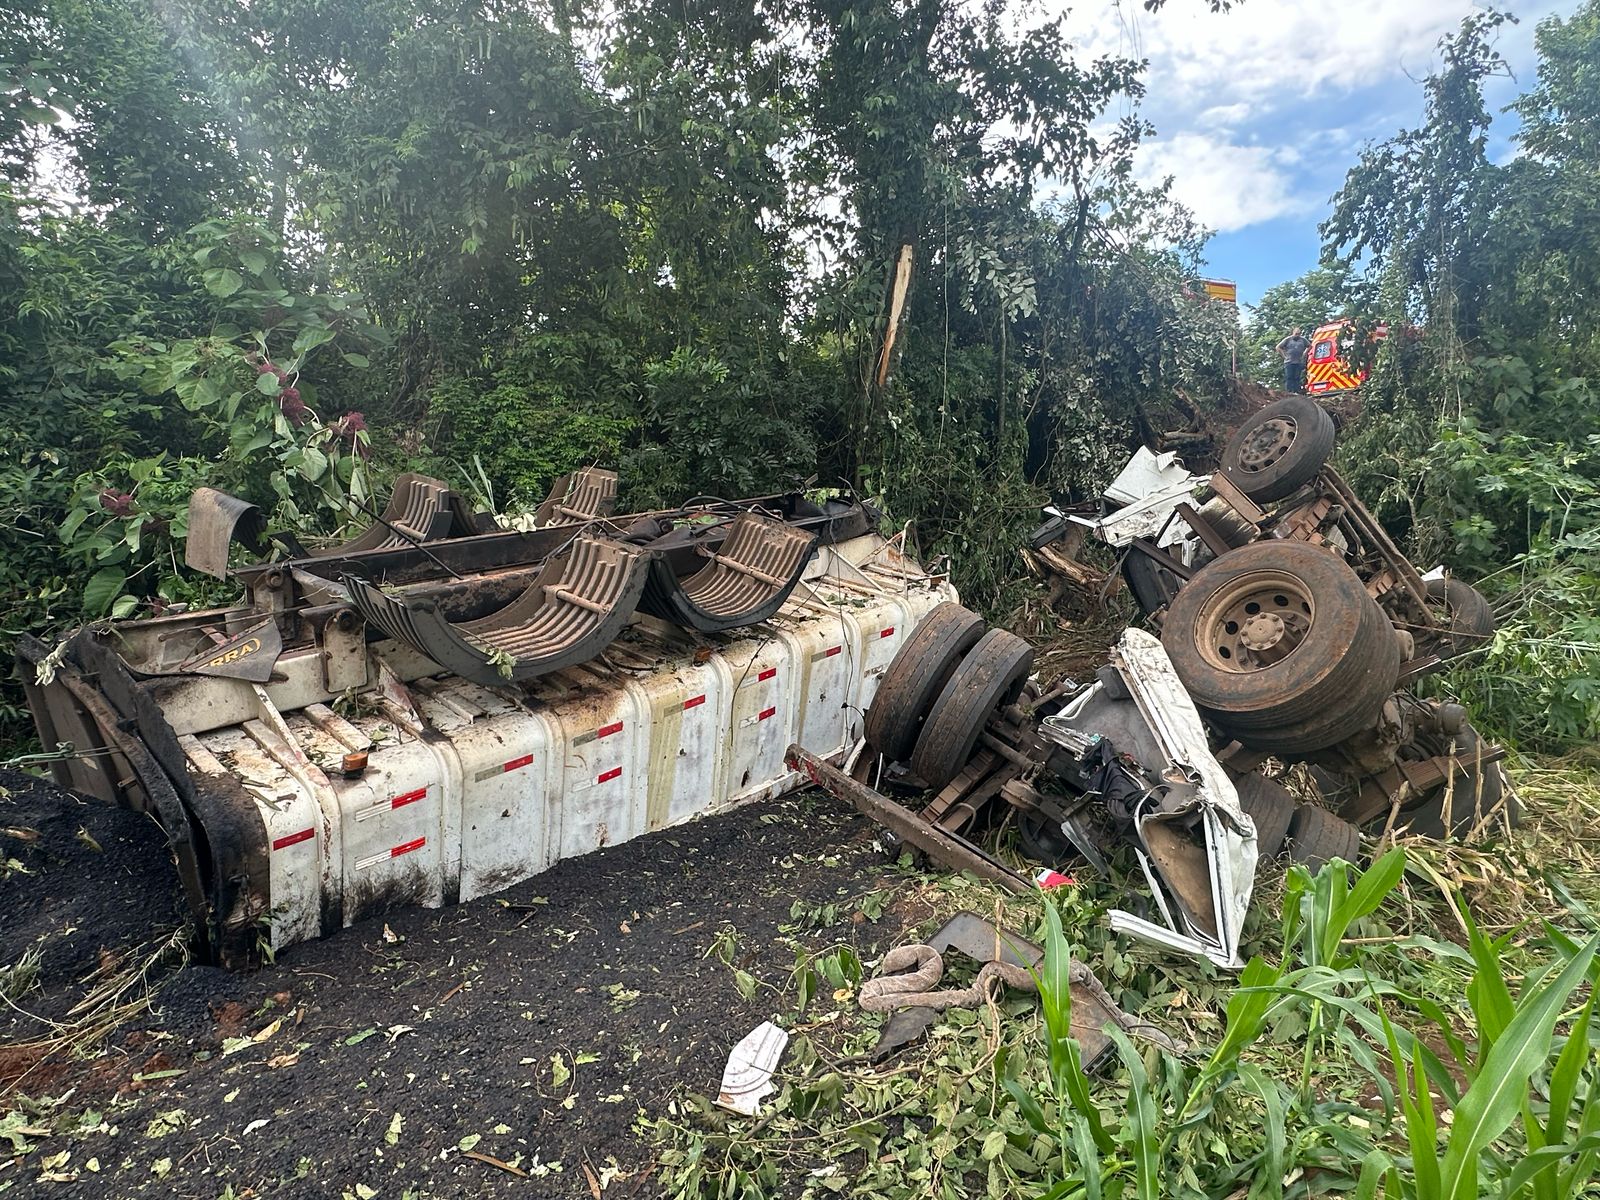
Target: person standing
{"type": "Point", "coordinates": [1294, 349]}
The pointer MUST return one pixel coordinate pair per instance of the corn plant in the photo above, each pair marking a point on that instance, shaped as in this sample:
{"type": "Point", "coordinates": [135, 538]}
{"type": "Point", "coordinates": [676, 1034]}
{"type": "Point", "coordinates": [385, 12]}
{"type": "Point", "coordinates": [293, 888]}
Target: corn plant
{"type": "Point", "coordinates": [1521, 1127]}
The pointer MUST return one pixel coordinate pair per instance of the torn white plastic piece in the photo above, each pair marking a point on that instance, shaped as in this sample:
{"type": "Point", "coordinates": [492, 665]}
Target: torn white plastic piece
{"type": "Point", "coordinates": [748, 1076]}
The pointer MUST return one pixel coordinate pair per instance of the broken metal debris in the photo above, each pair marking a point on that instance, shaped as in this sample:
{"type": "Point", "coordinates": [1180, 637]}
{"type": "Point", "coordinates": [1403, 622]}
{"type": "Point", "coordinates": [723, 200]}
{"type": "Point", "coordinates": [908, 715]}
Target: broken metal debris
{"type": "Point", "coordinates": [748, 1076]}
{"type": "Point", "coordinates": [1124, 759]}
{"type": "Point", "coordinates": [1298, 625]}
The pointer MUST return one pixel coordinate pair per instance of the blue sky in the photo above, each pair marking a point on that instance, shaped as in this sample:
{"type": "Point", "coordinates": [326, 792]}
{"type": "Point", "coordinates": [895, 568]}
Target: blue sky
{"type": "Point", "coordinates": [1260, 111]}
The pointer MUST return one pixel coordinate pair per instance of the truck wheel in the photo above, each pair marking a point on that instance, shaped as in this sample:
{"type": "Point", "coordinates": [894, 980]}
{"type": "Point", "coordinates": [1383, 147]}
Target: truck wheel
{"type": "Point", "coordinates": [1280, 449]}
{"type": "Point", "coordinates": [992, 674]}
{"type": "Point", "coordinates": [916, 676]}
{"type": "Point", "coordinates": [1271, 806]}
{"type": "Point", "coordinates": [1280, 647]}
{"type": "Point", "coordinates": [1467, 620]}
{"type": "Point", "coordinates": [1316, 837]}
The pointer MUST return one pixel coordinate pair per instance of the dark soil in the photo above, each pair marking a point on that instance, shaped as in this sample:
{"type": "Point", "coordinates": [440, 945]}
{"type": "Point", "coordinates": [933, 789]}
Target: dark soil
{"type": "Point", "coordinates": [80, 881]}
{"type": "Point", "coordinates": [383, 1047]}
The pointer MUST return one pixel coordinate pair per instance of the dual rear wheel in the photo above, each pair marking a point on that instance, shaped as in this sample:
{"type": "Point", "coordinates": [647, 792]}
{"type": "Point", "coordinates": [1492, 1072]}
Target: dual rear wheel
{"type": "Point", "coordinates": [942, 688]}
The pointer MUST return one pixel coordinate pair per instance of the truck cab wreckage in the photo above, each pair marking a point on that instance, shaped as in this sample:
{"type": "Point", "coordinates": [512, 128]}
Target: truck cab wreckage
{"type": "Point", "coordinates": [442, 707]}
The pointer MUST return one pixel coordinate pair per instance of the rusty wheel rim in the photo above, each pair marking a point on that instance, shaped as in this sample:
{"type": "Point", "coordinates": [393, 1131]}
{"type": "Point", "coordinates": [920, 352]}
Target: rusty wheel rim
{"type": "Point", "coordinates": [1267, 444]}
{"type": "Point", "coordinates": [1255, 622]}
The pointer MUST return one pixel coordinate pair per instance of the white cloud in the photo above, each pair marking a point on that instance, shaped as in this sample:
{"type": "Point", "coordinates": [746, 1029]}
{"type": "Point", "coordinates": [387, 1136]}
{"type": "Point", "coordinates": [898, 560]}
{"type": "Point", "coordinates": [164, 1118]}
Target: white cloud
{"type": "Point", "coordinates": [1261, 50]}
{"type": "Point", "coordinates": [1224, 116]}
{"type": "Point", "coordinates": [1227, 186]}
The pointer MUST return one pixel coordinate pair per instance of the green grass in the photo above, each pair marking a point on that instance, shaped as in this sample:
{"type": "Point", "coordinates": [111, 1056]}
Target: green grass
{"type": "Point", "coordinates": [1421, 1030]}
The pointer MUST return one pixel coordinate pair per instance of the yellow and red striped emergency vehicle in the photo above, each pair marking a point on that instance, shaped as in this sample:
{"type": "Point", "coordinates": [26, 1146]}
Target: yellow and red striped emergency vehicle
{"type": "Point", "coordinates": [1327, 370]}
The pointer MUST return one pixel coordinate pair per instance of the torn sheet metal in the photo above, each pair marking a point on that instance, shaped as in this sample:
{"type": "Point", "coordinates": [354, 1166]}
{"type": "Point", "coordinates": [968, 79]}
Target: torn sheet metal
{"type": "Point", "coordinates": [216, 521]}
{"type": "Point", "coordinates": [748, 1076]}
{"type": "Point", "coordinates": [1149, 489]}
{"type": "Point", "coordinates": [1199, 798]}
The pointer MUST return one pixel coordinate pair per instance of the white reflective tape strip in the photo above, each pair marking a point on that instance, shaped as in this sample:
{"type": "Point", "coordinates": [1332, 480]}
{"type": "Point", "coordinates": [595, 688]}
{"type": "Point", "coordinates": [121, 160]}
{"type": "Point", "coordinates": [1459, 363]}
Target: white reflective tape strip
{"type": "Point", "coordinates": [373, 860]}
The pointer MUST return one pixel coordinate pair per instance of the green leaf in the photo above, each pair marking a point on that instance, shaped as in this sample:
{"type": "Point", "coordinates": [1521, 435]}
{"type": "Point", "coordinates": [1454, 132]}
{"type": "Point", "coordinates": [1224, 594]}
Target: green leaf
{"type": "Point", "coordinates": [104, 586]}
{"type": "Point", "coordinates": [358, 360]}
{"type": "Point", "coordinates": [1565, 1076]}
{"type": "Point", "coordinates": [253, 261]}
{"type": "Point", "coordinates": [1374, 886]}
{"type": "Point", "coordinates": [1496, 1097]}
{"type": "Point", "coordinates": [267, 384]}
{"type": "Point", "coordinates": [355, 1039]}
{"type": "Point", "coordinates": [1270, 1181]}
{"type": "Point", "coordinates": [1144, 1144]}
{"type": "Point", "coordinates": [1374, 1167]}
{"type": "Point", "coordinates": [1032, 1112]}
{"type": "Point", "coordinates": [309, 339]}
{"type": "Point", "coordinates": [223, 281]}
{"type": "Point", "coordinates": [313, 464]}
{"type": "Point", "coordinates": [1546, 1158]}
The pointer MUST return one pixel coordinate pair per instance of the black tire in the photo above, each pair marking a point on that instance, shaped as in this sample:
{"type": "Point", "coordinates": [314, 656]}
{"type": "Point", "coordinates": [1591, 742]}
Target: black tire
{"type": "Point", "coordinates": [1152, 585]}
{"type": "Point", "coordinates": [1280, 647]}
{"type": "Point", "coordinates": [916, 676]}
{"type": "Point", "coordinates": [1468, 621]}
{"type": "Point", "coordinates": [1271, 806]}
{"type": "Point", "coordinates": [1316, 837]}
{"type": "Point", "coordinates": [1280, 449]}
{"type": "Point", "coordinates": [1477, 793]}
{"type": "Point", "coordinates": [991, 675]}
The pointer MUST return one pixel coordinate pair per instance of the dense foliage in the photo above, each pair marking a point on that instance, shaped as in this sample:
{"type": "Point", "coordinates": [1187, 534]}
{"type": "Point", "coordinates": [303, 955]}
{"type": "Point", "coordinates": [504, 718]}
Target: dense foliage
{"type": "Point", "coordinates": [280, 246]}
{"type": "Point", "coordinates": [289, 249]}
{"type": "Point", "coordinates": [1480, 426]}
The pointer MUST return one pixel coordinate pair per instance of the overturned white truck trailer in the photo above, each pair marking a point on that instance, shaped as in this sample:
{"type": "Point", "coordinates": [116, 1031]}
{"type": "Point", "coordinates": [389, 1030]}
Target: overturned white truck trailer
{"type": "Point", "coordinates": [313, 767]}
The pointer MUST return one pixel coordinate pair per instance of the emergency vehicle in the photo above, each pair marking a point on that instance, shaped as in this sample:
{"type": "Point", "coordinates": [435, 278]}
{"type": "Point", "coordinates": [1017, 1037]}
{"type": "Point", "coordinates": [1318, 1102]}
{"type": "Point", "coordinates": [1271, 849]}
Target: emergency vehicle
{"type": "Point", "coordinates": [1327, 370]}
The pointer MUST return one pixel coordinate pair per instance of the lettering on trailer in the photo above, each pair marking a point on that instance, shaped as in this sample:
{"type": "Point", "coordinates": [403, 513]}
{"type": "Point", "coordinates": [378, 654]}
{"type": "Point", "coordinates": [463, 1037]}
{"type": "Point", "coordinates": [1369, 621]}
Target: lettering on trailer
{"type": "Point", "coordinates": [828, 653]}
{"type": "Point", "coordinates": [595, 735]}
{"type": "Point", "coordinates": [294, 839]}
{"type": "Point", "coordinates": [373, 860]}
{"type": "Point", "coordinates": [511, 764]}
{"type": "Point", "coordinates": [243, 650]}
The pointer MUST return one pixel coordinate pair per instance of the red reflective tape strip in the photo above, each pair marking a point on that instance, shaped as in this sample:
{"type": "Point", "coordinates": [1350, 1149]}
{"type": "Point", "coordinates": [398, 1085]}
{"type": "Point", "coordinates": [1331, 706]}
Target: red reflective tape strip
{"type": "Point", "coordinates": [765, 713]}
{"type": "Point", "coordinates": [694, 702]}
{"type": "Point", "coordinates": [408, 798]}
{"type": "Point", "coordinates": [767, 674]}
{"type": "Point", "coordinates": [514, 763]}
{"type": "Point", "coordinates": [608, 730]}
{"type": "Point", "coordinates": [294, 839]}
{"type": "Point", "coordinates": [889, 632]}
{"type": "Point", "coordinates": [408, 847]}
{"type": "Point", "coordinates": [832, 650]}
{"type": "Point", "coordinates": [608, 776]}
